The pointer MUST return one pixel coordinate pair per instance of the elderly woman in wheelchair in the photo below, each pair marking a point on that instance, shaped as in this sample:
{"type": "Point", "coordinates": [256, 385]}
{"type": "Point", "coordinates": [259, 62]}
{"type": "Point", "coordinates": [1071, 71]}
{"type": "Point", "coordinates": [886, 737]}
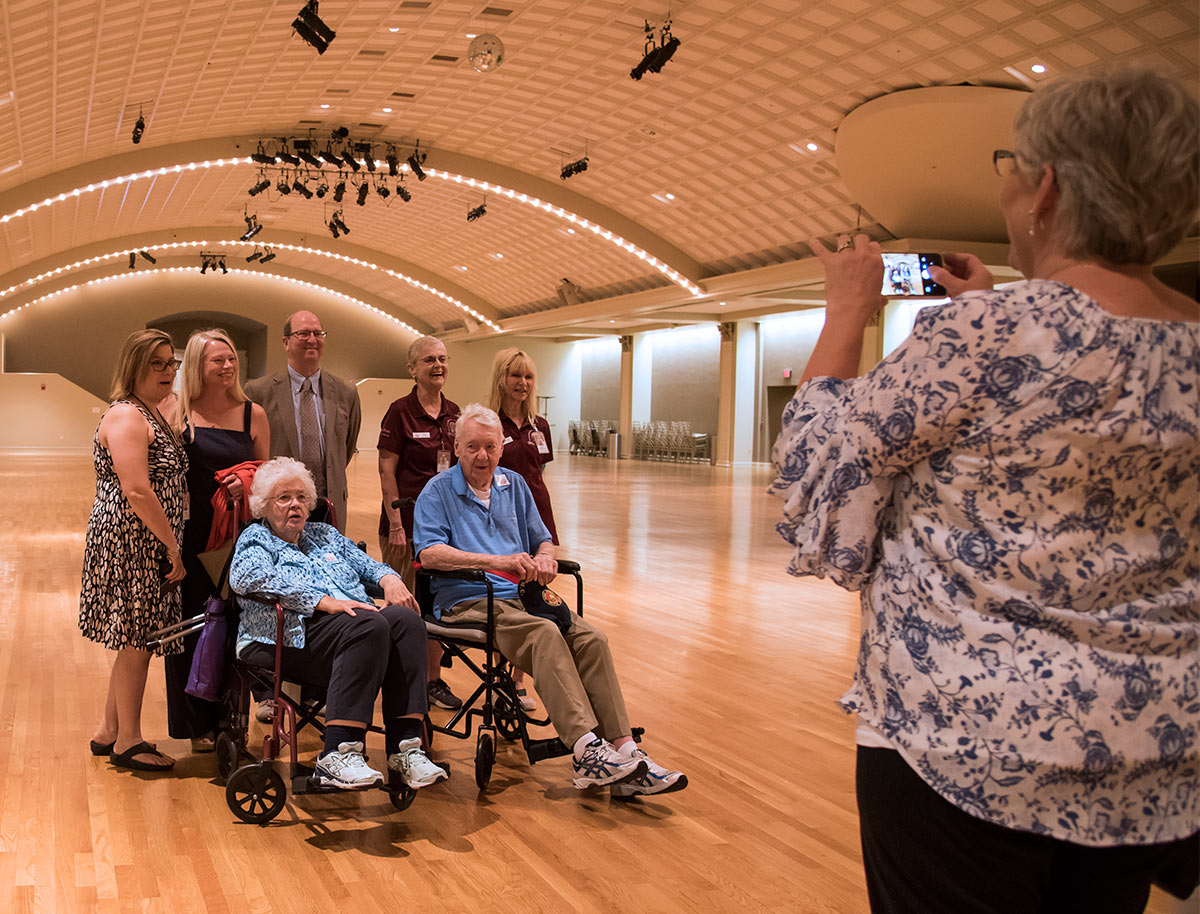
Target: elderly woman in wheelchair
{"type": "Point", "coordinates": [333, 635]}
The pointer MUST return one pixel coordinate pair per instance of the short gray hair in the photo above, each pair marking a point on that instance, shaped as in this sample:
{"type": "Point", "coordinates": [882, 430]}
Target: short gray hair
{"type": "Point", "coordinates": [1125, 148]}
{"type": "Point", "coordinates": [477, 412]}
{"type": "Point", "coordinates": [272, 474]}
{"type": "Point", "coordinates": [420, 343]}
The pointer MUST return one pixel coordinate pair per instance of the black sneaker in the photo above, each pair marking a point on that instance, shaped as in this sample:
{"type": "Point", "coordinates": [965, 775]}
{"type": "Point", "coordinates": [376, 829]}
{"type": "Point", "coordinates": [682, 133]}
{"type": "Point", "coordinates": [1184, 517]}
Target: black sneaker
{"type": "Point", "coordinates": [440, 696]}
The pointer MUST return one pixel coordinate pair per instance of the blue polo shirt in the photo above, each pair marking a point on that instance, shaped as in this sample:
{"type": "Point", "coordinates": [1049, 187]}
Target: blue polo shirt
{"type": "Point", "coordinates": [449, 513]}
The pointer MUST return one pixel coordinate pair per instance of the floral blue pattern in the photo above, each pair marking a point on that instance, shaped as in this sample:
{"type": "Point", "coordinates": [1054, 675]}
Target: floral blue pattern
{"type": "Point", "coordinates": [1014, 492]}
{"type": "Point", "coordinates": [324, 563]}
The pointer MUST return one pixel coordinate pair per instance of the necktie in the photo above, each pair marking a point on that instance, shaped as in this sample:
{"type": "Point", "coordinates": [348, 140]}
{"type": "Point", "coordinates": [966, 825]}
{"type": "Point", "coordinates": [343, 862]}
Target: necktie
{"type": "Point", "coordinates": [310, 441]}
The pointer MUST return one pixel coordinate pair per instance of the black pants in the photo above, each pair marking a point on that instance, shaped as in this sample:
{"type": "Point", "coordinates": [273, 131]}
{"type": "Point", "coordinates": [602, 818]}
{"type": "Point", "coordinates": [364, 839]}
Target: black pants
{"type": "Point", "coordinates": [357, 657]}
{"type": "Point", "coordinates": [925, 856]}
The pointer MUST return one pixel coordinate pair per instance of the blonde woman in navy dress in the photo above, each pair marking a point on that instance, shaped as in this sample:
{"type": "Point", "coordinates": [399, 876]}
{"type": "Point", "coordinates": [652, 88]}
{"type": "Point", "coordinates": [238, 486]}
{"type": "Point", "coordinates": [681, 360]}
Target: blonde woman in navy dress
{"type": "Point", "coordinates": [132, 562]}
{"type": "Point", "coordinates": [527, 446]}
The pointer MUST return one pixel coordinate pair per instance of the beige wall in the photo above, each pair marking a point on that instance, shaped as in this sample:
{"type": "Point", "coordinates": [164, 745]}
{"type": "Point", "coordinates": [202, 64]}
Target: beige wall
{"type": "Point", "coordinates": [46, 412]}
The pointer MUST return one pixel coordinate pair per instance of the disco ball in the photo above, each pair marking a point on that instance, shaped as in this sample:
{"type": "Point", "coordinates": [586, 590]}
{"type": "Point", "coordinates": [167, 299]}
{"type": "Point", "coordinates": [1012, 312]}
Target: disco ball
{"type": "Point", "coordinates": [486, 52]}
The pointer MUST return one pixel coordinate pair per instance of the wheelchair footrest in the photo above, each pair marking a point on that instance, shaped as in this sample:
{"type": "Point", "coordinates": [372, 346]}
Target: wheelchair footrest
{"type": "Point", "coordinates": [542, 749]}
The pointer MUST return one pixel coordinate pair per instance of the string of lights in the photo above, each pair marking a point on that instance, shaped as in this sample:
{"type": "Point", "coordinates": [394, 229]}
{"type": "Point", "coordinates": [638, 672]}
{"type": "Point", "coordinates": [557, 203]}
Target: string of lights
{"type": "Point", "coordinates": [268, 255]}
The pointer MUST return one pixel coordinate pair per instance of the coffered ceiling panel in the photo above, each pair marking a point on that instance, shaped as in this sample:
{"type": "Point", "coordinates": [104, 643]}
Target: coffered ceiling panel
{"type": "Point", "coordinates": [726, 155]}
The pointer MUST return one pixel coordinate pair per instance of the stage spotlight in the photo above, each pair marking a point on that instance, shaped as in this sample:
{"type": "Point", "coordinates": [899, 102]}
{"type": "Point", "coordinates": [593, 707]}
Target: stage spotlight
{"type": "Point", "coordinates": [259, 187]}
{"type": "Point", "coordinates": [349, 159]}
{"type": "Point", "coordinates": [268, 254]}
{"type": "Point", "coordinates": [656, 56]}
{"type": "Point", "coordinates": [286, 156]}
{"type": "Point", "coordinates": [147, 256]}
{"type": "Point", "coordinates": [302, 189]}
{"type": "Point", "coordinates": [139, 127]}
{"type": "Point", "coordinates": [304, 151]}
{"type": "Point", "coordinates": [309, 26]}
{"type": "Point", "coordinates": [364, 150]}
{"type": "Point", "coordinates": [322, 189]}
{"type": "Point", "coordinates": [403, 192]}
{"type": "Point", "coordinates": [393, 161]}
{"type": "Point", "coordinates": [414, 162]}
{"type": "Point", "coordinates": [132, 260]}
{"type": "Point", "coordinates": [221, 264]}
{"type": "Point", "coordinates": [283, 187]}
{"type": "Point", "coordinates": [573, 168]}
{"type": "Point", "coordinates": [252, 227]}
{"type": "Point", "coordinates": [340, 133]}
{"type": "Point", "coordinates": [333, 227]}
{"type": "Point", "coordinates": [206, 262]}
{"type": "Point", "coordinates": [363, 189]}
{"type": "Point", "coordinates": [339, 190]}
{"type": "Point", "coordinates": [331, 157]}
{"type": "Point", "coordinates": [255, 256]}
{"type": "Point", "coordinates": [262, 157]}
{"type": "Point", "coordinates": [477, 213]}
{"type": "Point", "coordinates": [383, 190]}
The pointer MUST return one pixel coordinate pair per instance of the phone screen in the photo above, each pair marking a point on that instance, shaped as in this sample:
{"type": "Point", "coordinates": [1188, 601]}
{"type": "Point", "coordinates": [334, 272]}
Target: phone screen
{"type": "Point", "coordinates": [908, 275]}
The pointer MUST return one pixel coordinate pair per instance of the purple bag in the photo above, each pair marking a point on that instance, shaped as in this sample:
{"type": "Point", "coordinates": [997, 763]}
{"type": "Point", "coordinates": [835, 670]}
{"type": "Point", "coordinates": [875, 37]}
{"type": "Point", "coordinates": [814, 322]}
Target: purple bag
{"type": "Point", "coordinates": [208, 664]}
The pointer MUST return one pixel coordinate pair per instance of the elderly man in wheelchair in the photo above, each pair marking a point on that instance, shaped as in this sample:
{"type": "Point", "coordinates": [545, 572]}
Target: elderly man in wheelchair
{"type": "Point", "coordinates": [475, 516]}
{"type": "Point", "coordinates": [334, 635]}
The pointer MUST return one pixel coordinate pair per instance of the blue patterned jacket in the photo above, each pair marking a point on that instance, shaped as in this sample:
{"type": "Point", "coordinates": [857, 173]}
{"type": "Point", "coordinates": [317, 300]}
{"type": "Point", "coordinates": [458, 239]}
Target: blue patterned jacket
{"type": "Point", "coordinates": [325, 563]}
{"type": "Point", "coordinates": [1014, 492]}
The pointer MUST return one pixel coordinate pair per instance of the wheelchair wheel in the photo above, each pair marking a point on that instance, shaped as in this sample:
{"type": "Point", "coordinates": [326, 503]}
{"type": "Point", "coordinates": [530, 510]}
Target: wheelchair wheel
{"type": "Point", "coordinates": [402, 798]}
{"type": "Point", "coordinates": [227, 755]}
{"type": "Point", "coordinates": [507, 717]}
{"type": "Point", "coordinates": [485, 757]}
{"type": "Point", "coordinates": [256, 793]}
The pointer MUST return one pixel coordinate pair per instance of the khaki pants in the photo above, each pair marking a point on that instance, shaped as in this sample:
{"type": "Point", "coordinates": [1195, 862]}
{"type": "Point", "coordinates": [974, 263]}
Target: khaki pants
{"type": "Point", "coordinates": [575, 675]}
{"type": "Point", "coordinates": [400, 558]}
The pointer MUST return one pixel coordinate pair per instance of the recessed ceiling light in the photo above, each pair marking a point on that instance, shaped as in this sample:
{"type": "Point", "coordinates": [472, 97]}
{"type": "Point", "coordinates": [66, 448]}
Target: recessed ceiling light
{"type": "Point", "coordinates": [722, 304]}
{"type": "Point", "coordinates": [461, 267]}
{"type": "Point", "coordinates": [498, 256]}
{"type": "Point", "coordinates": [393, 28]}
{"type": "Point", "coordinates": [324, 106]}
{"type": "Point", "coordinates": [811, 147]}
{"type": "Point", "coordinates": [669, 196]}
{"type": "Point", "coordinates": [469, 35]}
{"type": "Point", "coordinates": [1038, 68]}
{"type": "Point", "coordinates": [612, 322]}
{"type": "Point", "coordinates": [387, 110]}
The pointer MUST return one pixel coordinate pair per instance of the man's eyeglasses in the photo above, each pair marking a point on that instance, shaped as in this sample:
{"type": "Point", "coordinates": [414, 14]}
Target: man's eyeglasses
{"type": "Point", "coordinates": [160, 365]}
{"type": "Point", "coordinates": [1004, 161]}
{"type": "Point", "coordinates": [309, 334]}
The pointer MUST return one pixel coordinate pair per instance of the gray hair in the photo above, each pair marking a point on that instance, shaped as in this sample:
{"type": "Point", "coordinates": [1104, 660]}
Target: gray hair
{"type": "Point", "coordinates": [274, 473]}
{"type": "Point", "coordinates": [420, 343]}
{"type": "Point", "coordinates": [1125, 148]}
{"type": "Point", "coordinates": [477, 412]}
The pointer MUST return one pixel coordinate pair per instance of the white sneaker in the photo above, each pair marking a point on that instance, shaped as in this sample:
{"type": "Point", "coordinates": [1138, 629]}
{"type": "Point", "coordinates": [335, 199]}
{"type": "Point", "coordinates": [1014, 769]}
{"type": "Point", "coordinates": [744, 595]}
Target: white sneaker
{"type": "Point", "coordinates": [600, 764]}
{"type": "Point", "coordinates": [414, 766]}
{"type": "Point", "coordinates": [346, 769]}
{"type": "Point", "coordinates": [657, 779]}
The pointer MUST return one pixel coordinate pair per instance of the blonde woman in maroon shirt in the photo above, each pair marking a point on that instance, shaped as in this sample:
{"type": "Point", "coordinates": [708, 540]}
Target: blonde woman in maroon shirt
{"type": "Point", "coordinates": [527, 447]}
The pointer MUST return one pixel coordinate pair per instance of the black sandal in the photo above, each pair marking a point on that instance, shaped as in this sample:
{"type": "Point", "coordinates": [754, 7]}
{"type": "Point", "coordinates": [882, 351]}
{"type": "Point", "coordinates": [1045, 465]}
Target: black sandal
{"type": "Point", "coordinates": [126, 759]}
{"type": "Point", "coordinates": [102, 748]}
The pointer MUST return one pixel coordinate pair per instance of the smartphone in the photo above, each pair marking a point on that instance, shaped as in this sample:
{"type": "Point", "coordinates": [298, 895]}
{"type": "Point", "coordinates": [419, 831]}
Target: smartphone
{"type": "Point", "coordinates": [907, 276]}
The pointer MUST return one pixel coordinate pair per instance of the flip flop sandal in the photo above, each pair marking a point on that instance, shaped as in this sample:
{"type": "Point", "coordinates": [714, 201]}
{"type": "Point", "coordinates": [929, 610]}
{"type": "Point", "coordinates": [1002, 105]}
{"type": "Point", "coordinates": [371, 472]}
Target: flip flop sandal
{"type": "Point", "coordinates": [102, 748]}
{"type": "Point", "coordinates": [126, 759]}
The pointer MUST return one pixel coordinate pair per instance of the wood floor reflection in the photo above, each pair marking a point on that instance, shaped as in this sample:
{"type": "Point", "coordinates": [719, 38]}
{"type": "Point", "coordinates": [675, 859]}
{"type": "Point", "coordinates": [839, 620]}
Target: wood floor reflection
{"type": "Point", "coordinates": [730, 665]}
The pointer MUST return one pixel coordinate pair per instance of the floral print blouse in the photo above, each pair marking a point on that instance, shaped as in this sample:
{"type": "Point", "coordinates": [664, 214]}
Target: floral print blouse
{"type": "Point", "coordinates": [1014, 492]}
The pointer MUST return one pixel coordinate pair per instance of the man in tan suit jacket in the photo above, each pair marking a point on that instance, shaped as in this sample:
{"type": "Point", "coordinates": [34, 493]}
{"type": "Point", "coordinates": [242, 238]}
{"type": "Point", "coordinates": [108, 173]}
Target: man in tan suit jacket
{"type": "Point", "coordinates": [304, 396]}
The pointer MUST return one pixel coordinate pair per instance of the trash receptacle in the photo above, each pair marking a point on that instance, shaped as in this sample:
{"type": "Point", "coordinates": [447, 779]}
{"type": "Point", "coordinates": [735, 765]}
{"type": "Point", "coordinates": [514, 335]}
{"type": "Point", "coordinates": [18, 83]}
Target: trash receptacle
{"type": "Point", "coordinates": [614, 446]}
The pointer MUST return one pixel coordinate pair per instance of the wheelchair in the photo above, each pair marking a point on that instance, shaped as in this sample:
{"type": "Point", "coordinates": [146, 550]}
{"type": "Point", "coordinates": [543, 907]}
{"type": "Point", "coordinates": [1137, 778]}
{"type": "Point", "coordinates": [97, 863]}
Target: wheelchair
{"type": "Point", "coordinates": [494, 702]}
{"type": "Point", "coordinates": [255, 791]}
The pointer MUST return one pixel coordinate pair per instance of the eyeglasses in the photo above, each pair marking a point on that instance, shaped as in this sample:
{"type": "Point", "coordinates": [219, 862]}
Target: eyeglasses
{"type": "Point", "coordinates": [160, 365]}
{"type": "Point", "coordinates": [309, 334]}
{"type": "Point", "coordinates": [1004, 161]}
{"type": "Point", "coordinates": [435, 360]}
{"type": "Point", "coordinates": [283, 499]}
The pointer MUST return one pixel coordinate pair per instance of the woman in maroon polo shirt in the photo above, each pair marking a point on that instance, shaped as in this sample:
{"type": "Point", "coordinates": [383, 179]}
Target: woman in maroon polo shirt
{"type": "Point", "coordinates": [527, 447]}
{"type": "Point", "coordinates": [416, 442]}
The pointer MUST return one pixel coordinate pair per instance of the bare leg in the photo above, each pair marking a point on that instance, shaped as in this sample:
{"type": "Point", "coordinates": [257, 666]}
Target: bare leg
{"type": "Point", "coordinates": [106, 732]}
{"type": "Point", "coordinates": [126, 688]}
{"type": "Point", "coordinates": [434, 670]}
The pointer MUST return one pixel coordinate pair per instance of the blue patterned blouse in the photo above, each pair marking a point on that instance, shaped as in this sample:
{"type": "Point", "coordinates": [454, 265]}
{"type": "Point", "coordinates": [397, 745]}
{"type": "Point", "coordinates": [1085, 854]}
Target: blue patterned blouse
{"type": "Point", "coordinates": [324, 563]}
{"type": "Point", "coordinates": [1014, 491]}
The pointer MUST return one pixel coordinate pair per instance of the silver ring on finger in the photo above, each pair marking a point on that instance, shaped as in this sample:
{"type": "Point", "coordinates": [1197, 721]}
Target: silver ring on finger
{"type": "Point", "coordinates": [844, 244]}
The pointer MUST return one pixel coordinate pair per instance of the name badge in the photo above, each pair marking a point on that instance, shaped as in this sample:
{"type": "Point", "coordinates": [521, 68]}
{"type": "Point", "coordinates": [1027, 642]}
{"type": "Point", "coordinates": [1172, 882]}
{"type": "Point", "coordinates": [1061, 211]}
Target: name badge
{"type": "Point", "coordinates": [501, 481]}
{"type": "Point", "coordinates": [420, 434]}
{"type": "Point", "coordinates": [330, 557]}
{"type": "Point", "coordinates": [539, 441]}
{"type": "Point", "coordinates": [443, 460]}
{"type": "Point", "coordinates": [507, 440]}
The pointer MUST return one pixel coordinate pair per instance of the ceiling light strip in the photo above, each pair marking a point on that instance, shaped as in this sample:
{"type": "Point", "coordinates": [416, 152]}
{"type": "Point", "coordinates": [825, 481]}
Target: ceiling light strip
{"type": "Point", "coordinates": [90, 261]}
{"type": "Point", "coordinates": [191, 270]}
{"type": "Point", "coordinates": [585, 224]}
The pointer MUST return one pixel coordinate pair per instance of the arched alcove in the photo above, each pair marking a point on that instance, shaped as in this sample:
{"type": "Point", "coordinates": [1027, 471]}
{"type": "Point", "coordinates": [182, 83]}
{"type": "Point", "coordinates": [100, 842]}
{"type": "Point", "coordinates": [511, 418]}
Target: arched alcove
{"type": "Point", "coordinates": [249, 336]}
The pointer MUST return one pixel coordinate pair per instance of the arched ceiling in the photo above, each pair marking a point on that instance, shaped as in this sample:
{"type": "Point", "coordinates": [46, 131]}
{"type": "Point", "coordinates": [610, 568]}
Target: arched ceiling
{"type": "Point", "coordinates": [703, 169]}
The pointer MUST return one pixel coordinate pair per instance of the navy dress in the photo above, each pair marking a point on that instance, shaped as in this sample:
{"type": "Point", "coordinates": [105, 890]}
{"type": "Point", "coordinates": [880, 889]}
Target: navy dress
{"type": "Point", "coordinates": [209, 451]}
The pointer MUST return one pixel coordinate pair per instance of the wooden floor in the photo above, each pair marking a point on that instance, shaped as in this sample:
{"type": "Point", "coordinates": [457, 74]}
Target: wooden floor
{"type": "Point", "coordinates": [732, 666]}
